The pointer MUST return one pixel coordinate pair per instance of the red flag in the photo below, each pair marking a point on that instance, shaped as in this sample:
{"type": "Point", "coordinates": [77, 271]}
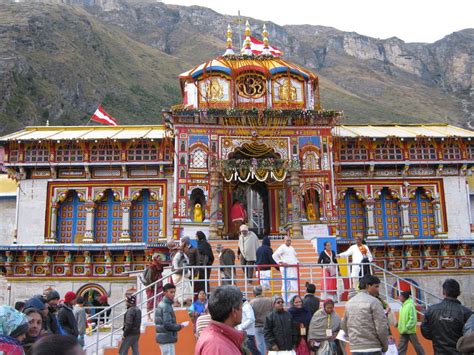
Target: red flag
{"type": "Point", "coordinates": [256, 47]}
{"type": "Point", "coordinates": [103, 117]}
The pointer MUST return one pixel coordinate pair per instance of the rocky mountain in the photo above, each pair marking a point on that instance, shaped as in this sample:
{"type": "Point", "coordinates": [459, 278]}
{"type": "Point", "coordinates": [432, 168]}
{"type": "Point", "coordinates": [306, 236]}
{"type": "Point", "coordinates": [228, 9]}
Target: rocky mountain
{"type": "Point", "coordinates": [59, 59]}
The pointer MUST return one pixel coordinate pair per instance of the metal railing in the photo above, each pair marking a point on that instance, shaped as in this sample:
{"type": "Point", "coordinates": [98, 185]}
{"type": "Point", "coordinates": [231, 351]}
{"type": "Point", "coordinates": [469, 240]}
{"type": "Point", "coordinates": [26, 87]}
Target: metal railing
{"type": "Point", "coordinates": [107, 321]}
{"type": "Point", "coordinates": [190, 279]}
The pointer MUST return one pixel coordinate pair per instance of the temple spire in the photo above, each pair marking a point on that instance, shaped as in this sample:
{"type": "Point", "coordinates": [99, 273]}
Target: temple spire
{"type": "Point", "coordinates": [266, 48]}
{"type": "Point", "coordinates": [247, 48]}
{"type": "Point", "coordinates": [229, 50]}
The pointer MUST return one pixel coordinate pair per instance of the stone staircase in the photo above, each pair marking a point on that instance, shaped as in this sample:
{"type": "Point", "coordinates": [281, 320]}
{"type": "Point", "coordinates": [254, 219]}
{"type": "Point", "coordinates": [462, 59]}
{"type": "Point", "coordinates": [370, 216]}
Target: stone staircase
{"type": "Point", "coordinates": [306, 254]}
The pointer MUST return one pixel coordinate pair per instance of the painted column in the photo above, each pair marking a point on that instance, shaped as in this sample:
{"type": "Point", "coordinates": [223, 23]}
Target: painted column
{"type": "Point", "coordinates": [125, 234]}
{"type": "Point", "coordinates": [213, 227]}
{"type": "Point", "coordinates": [53, 224]}
{"type": "Point", "coordinates": [369, 205]}
{"type": "Point", "coordinates": [89, 233]}
{"type": "Point", "coordinates": [438, 218]}
{"type": "Point", "coordinates": [404, 205]}
{"type": "Point", "coordinates": [295, 203]}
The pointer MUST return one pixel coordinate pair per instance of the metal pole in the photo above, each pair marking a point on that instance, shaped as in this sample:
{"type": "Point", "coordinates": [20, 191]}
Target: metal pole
{"type": "Point", "coordinates": [112, 327]}
{"type": "Point", "coordinates": [386, 284]}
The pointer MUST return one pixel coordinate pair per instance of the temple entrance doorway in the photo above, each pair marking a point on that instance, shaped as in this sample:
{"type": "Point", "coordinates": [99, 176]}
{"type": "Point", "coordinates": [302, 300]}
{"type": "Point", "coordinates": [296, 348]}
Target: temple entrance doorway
{"type": "Point", "coordinates": [253, 198]}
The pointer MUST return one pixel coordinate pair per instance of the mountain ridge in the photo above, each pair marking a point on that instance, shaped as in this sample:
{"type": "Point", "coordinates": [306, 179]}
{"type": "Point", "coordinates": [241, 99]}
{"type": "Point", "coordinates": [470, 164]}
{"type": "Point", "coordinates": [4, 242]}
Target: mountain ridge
{"type": "Point", "coordinates": [58, 61]}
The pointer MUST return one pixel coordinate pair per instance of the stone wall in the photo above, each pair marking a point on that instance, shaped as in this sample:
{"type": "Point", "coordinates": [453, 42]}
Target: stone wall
{"type": "Point", "coordinates": [433, 284]}
{"type": "Point", "coordinates": [7, 223]}
{"type": "Point", "coordinates": [32, 211]}
{"type": "Point", "coordinates": [457, 207]}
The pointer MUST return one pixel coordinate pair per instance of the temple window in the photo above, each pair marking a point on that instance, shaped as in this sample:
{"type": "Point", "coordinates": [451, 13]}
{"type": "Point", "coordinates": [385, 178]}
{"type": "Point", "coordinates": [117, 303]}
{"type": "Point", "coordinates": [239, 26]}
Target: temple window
{"type": "Point", "coordinates": [108, 219]}
{"type": "Point", "coordinates": [105, 152]}
{"type": "Point", "coordinates": [14, 155]}
{"type": "Point", "coordinates": [71, 222]}
{"type": "Point", "coordinates": [310, 161]}
{"type": "Point", "coordinates": [387, 216]}
{"type": "Point", "coordinates": [451, 151]}
{"type": "Point", "coordinates": [388, 152]}
{"type": "Point", "coordinates": [424, 151]}
{"type": "Point", "coordinates": [69, 152]}
{"type": "Point", "coordinates": [470, 151]}
{"type": "Point", "coordinates": [145, 219]}
{"type": "Point", "coordinates": [351, 215]}
{"type": "Point", "coordinates": [37, 153]}
{"type": "Point", "coordinates": [198, 159]}
{"type": "Point", "coordinates": [142, 151]}
{"type": "Point", "coordinates": [421, 213]}
{"type": "Point", "coordinates": [352, 151]}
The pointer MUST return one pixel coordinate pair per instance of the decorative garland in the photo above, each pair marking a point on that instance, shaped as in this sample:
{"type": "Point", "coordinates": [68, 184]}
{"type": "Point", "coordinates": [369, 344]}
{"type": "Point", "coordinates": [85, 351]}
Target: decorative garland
{"type": "Point", "coordinates": [256, 112]}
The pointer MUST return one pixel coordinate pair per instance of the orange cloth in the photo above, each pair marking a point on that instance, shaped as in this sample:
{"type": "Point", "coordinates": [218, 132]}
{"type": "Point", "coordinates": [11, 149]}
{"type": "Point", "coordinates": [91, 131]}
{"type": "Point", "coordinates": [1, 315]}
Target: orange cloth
{"type": "Point", "coordinates": [363, 250]}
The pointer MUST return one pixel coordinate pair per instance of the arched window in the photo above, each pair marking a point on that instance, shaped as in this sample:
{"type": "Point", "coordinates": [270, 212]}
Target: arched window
{"type": "Point", "coordinates": [451, 151]}
{"type": "Point", "coordinates": [310, 161]}
{"type": "Point", "coordinates": [71, 222]}
{"type": "Point", "coordinates": [37, 153]}
{"type": "Point", "coordinates": [108, 219]}
{"type": "Point", "coordinates": [351, 215]}
{"type": "Point", "coordinates": [69, 152]}
{"type": "Point", "coordinates": [352, 151]}
{"type": "Point", "coordinates": [387, 216]}
{"type": "Point", "coordinates": [388, 152]}
{"type": "Point", "coordinates": [105, 152]}
{"type": "Point", "coordinates": [421, 213]}
{"type": "Point", "coordinates": [143, 151]}
{"type": "Point", "coordinates": [198, 159]}
{"type": "Point", "coordinates": [424, 151]}
{"type": "Point", "coordinates": [145, 219]}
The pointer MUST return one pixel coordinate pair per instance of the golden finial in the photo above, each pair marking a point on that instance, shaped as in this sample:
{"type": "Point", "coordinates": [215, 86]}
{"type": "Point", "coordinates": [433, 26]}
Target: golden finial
{"type": "Point", "coordinates": [229, 50]}
{"type": "Point", "coordinates": [266, 48]}
{"type": "Point", "coordinates": [247, 48]}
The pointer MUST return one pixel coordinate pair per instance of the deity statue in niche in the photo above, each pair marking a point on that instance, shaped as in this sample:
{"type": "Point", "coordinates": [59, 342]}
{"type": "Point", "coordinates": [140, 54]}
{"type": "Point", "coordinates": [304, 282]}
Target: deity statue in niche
{"type": "Point", "coordinates": [286, 91]}
{"type": "Point", "coordinates": [310, 212]}
{"type": "Point", "coordinates": [198, 217]}
{"type": "Point", "coordinates": [47, 262]}
{"type": "Point", "coordinates": [214, 90]}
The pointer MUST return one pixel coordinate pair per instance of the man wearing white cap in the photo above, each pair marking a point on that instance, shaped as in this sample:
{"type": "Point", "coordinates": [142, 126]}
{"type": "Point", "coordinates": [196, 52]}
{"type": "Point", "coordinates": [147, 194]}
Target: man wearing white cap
{"type": "Point", "coordinates": [248, 245]}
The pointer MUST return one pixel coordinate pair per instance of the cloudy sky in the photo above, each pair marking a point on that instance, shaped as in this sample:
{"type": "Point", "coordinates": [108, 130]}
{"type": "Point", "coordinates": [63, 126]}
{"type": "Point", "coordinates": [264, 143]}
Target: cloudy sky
{"type": "Point", "coordinates": [409, 20]}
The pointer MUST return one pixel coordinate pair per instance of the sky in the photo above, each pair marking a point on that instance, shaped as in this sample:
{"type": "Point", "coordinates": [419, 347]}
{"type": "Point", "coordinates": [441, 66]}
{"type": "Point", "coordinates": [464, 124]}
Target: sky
{"type": "Point", "coordinates": [410, 20]}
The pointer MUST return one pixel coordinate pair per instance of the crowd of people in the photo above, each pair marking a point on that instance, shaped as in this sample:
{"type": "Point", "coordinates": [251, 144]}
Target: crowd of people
{"type": "Point", "coordinates": [228, 323]}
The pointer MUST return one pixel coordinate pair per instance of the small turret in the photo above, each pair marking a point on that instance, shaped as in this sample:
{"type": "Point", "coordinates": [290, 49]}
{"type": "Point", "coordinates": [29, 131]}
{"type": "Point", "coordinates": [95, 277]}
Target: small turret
{"type": "Point", "coordinates": [229, 50]}
{"type": "Point", "coordinates": [266, 47]}
{"type": "Point", "coordinates": [247, 50]}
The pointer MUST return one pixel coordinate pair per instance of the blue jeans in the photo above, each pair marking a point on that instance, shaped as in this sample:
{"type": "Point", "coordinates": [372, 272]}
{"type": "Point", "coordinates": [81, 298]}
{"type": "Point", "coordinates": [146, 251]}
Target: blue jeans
{"type": "Point", "coordinates": [369, 353]}
{"type": "Point", "coordinates": [167, 349]}
{"type": "Point", "coordinates": [260, 339]}
{"type": "Point", "coordinates": [251, 345]}
{"type": "Point", "coordinates": [130, 341]}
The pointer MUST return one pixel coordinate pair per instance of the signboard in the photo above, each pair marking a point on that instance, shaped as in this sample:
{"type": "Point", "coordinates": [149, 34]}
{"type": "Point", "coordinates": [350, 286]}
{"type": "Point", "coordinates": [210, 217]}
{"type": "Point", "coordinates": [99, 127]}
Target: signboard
{"type": "Point", "coordinates": [311, 231]}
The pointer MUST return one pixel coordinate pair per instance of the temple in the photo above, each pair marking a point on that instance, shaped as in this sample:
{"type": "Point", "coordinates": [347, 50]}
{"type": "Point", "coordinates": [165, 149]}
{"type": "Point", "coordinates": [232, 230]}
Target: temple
{"type": "Point", "coordinates": [88, 204]}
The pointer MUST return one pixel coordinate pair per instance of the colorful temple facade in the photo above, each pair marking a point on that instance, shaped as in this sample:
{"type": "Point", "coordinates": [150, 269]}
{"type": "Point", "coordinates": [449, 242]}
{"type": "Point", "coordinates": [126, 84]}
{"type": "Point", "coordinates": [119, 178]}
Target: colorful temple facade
{"type": "Point", "coordinates": [94, 202]}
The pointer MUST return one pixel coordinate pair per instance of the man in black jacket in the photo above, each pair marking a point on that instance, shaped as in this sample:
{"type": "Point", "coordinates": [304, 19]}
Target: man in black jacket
{"type": "Point", "coordinates": [279, 331]}
{"type": "Point", "coordinates": [265, 257]}
{"type": "Point", "coordinates": [310, 301]}
{"type": "Point", "coordinates": [131, 327]}
{"type": "Point", "coordinates": [66, 317]}
{"type": "Point", "coordinates": [443, 322]}
{"type": "Point", "coordinates": [206, 258]}
{"type": "Point", "coordinates": [51, 319]}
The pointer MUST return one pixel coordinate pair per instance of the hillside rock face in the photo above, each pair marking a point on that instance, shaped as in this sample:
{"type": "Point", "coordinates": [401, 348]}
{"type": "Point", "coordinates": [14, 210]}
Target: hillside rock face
{"type": "Point", "coordinates": [60, 58]}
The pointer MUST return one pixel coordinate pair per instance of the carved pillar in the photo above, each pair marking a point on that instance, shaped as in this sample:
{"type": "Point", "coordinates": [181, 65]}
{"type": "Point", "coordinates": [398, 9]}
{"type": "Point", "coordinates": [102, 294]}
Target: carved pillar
{"type": "Point", "coordinates": [369, 213]}
{"type": "Point", "coordinates": [295, 203]}
{"type": "Point", "coordinates": [438, 218]}
{"type": "Point", "coordinates": [53, 225]}
{"type": "Point", "coordinates": [404, 205]}
{"type": "Point", "coordinates": [125, 234]}
{"type": "Point", "coordinates": [213, 227]}
{"type": "Point", "coordinates": [89, 233]}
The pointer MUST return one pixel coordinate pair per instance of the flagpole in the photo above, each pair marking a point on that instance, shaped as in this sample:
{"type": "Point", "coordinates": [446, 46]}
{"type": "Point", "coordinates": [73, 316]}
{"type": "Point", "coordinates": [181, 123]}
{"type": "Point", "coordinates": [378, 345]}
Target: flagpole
{"type": "Point", "coordinates": [240, 31]}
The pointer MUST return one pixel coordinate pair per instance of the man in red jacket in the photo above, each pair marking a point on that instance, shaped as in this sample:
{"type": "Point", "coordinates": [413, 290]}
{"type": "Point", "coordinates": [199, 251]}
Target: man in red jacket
{"type": "Point", "coordinates": [221, 337]}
